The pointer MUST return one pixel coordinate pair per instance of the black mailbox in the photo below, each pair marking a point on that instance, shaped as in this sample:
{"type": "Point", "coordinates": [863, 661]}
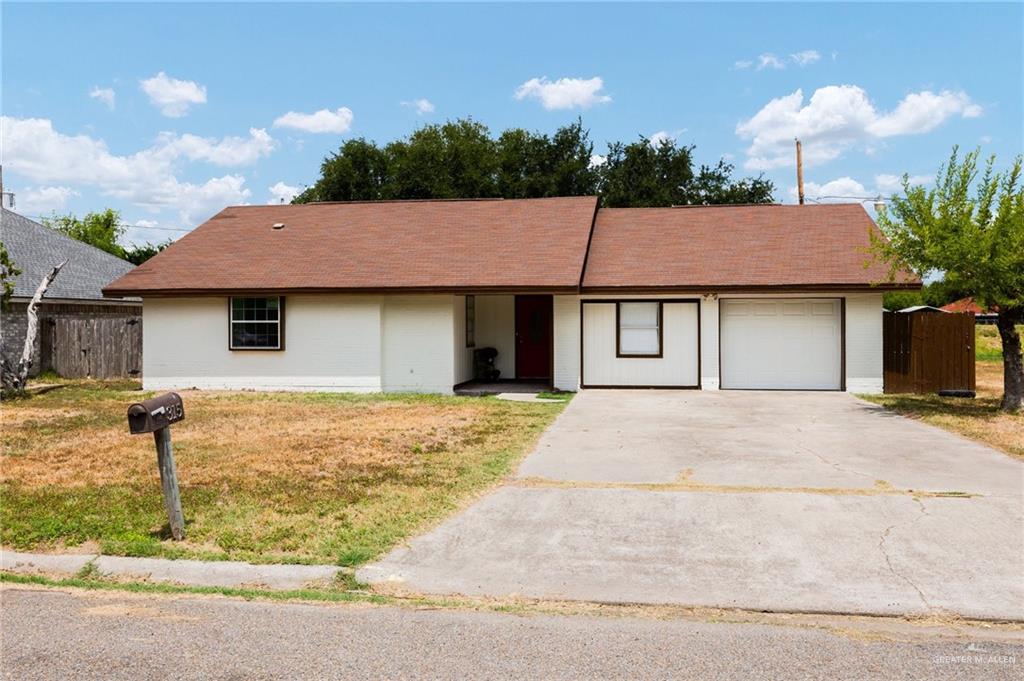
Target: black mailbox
{"type": "Point", "coordinates": [155, 413]}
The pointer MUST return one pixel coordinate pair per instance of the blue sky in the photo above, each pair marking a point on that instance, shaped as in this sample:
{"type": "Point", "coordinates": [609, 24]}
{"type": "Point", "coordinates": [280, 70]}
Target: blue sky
{"type": "Point", "coordinates": [170, 112]}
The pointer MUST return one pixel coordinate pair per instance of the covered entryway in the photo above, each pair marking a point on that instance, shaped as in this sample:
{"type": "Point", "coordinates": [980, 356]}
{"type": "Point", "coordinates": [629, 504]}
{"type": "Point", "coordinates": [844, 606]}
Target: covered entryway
{"type": "Point", "coordinates": [782, 344]}
{"type": "Point", "coordinates": [641, 343]}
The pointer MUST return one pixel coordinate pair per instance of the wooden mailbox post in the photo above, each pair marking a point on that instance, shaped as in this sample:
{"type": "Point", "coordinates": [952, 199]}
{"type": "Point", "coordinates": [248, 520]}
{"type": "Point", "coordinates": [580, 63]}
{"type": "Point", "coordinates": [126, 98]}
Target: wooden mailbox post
{"type": "Point", "coordinates": [155, 416]}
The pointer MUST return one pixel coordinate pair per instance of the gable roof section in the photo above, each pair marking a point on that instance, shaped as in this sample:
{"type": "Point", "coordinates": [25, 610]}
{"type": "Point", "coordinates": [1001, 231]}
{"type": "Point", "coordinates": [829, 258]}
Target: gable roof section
{"type": "Point", "coordinates": [735, 247]}
{"type": "Point", "coordinates": [484, 245]}
{"type": "Point", "coordinates": [37, 249]}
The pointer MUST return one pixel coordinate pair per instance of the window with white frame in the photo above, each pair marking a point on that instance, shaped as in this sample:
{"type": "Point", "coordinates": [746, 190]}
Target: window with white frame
{"type": "Point", "coordinates": [639, 329]}
{"type": "Point", "coordinates": [256, 323]}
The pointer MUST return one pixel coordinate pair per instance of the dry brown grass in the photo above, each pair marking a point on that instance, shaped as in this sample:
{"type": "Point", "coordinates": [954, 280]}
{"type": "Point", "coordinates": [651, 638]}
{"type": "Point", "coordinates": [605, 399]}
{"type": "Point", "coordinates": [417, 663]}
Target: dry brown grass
{"type": "Point", "coordinates": [301, 477]}
{"type": "Point", "coordinates": [980, 418]}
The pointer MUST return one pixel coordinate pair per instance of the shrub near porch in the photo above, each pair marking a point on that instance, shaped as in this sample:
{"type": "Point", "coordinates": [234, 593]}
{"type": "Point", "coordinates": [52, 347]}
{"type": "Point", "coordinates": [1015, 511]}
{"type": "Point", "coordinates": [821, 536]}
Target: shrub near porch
{"type": "Point", "coordinates": [264, 477]}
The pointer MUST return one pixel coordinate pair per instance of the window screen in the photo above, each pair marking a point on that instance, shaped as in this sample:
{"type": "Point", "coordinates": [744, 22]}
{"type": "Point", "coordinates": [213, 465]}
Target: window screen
{"type": "Point", "coordinates": [640, 329]}
{"type": "Point", "coordinates": [256, 323]}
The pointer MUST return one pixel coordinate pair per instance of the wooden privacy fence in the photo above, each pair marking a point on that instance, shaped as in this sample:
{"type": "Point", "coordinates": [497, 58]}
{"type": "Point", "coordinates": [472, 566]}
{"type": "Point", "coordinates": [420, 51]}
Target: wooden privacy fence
{"type": "Point", "coordinates": [94, 347]}
{"type": "Point", "coordinates": [928, 352]}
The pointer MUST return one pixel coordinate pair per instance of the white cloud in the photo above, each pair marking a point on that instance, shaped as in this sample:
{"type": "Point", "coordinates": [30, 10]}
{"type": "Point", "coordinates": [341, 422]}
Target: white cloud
{"type": "Point", "coordinates": [664, 136]}
{"type": "Point", "coordinates": [34, 149]}
{"type": "Point", "coordinates": [849, 190]}
{"type": "Point", "coordinates": [841, 190]}
{"type": "Point", "coordinates": [597, 160]}
{"type": "Point", "coordinates": [838, 117]}
{"type": "Point", "coordinates": [43, 200]}
{"type": "Point", "coordinates": [422, 106]}
{"type": "Point", "coordinates": [924, 111]}
{"type": "Point", "coordinates": [172, 96]}
{"type": "Point", "coordinates": [661, 136]}
{"type": "Point", "coordinates": [891, 184]}
{"type": "Point", "coordinates": [282, 193]}
{"type": "Point", "coordinates": [105, 95]}
{"type": "Point", "coordinates": [805, 57]}
{"type": "Point", "coordinates": [769, 61]}
{"type": "Point", "coordinates": [564, 93]}
{"type": "Point", "coordinates": [324, 120]}
{"type": "Point", "coordinates": [229, 151]}
{"type": "Point", "coordinates": [146, 224]}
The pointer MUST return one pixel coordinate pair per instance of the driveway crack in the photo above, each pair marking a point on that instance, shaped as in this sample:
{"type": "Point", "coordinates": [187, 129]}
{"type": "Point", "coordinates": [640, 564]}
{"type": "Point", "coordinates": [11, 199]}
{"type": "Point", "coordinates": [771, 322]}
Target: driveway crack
{"type": "Point", "coordinates": [888, 560]}
{"type": "Point", "coordinates": [830, 463]}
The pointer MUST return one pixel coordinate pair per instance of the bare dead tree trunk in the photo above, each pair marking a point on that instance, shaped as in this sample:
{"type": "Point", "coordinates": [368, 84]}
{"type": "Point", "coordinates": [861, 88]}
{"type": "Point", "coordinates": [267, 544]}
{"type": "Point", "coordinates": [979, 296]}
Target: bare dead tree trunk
{"type": "Point", "coordinates": [1013, 366]}
{"type": "Point", "coordinates": [15, 378]}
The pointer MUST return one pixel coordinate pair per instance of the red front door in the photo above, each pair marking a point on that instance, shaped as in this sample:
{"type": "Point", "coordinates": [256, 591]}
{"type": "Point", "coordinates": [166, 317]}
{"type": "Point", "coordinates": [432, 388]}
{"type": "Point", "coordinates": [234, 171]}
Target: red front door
{"type": "Point", "coordinates": [533, 337]}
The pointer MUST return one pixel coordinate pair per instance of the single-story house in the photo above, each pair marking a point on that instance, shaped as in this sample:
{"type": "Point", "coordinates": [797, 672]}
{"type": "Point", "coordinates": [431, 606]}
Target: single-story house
{"type": "Point", "coordinates": [74, 302]}
{"type": "Point", "coordinates": [395, 296]}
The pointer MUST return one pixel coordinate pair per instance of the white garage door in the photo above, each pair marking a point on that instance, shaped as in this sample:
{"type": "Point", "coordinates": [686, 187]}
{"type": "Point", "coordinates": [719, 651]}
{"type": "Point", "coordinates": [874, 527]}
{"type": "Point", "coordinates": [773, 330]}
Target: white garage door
{"type": "Point", "coordinates": [786, 344]}
{"type": "Point", "coordinates": [641, 344]}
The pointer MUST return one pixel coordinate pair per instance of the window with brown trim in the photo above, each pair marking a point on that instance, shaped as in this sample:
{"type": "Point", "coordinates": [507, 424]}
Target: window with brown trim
{"type": "Point", "coordinates": [639, 329]}
{"type": "Point", "coordinates": [470, 321]}
{"type": "Point", "coordinates": [256, 323]}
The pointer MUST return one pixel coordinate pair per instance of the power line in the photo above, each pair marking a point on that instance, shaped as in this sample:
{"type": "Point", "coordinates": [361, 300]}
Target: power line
{"type": "Point", "coordinates": [120, 224]}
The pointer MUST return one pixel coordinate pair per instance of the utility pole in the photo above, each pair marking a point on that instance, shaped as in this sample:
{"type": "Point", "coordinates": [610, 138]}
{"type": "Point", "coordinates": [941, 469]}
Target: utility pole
{"type": "Point", "coordinates": [4, 194]}
{"type": "Point", "coordinates": [799, 172]}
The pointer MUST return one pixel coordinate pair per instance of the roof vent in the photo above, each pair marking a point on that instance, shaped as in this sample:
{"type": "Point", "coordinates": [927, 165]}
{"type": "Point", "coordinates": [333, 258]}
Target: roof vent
{"type": "Point", "coordinates": [278, 225]}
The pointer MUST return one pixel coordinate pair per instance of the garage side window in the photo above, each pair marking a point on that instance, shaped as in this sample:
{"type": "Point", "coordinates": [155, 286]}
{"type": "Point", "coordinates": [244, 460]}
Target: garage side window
{"type": "Point", "coordinates": [257, 323]}
{"type": "Point", "coordinates": [639, 330]}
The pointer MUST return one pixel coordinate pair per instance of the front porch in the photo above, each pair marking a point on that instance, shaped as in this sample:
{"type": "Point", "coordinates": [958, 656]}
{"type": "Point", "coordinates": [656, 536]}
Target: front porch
{"type": "Point", "coordinates": [509, 343]}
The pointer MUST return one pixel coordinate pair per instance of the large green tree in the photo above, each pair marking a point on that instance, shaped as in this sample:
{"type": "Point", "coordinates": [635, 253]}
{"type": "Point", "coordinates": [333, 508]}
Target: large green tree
{"type": "Point", "coordinates": [461, 159]}
{"type": "Point", "coordinates": [8, 273]}
{"type": "Point", "coordinates": [104, 230]}
{"type": "Point", "coordinates": [970, 229]}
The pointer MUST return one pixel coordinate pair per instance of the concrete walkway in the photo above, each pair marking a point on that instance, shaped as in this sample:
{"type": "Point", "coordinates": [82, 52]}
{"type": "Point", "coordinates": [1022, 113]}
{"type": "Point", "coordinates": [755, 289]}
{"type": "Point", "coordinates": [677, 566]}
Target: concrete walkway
{"type": "Point", "coordinates": [187, 572]}
{"type": "Point", "coordinates": [812, 502]}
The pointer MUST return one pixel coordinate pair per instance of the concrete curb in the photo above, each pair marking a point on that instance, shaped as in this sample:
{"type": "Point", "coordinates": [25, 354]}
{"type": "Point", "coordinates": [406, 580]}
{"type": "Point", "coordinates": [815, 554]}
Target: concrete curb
{"type": "Point", "coordinates": [188, 572]}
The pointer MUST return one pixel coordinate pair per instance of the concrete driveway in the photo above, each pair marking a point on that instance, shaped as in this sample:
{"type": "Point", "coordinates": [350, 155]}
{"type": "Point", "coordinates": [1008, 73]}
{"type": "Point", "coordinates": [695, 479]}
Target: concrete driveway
{"type": "Point", "coordinates": [784, 501]}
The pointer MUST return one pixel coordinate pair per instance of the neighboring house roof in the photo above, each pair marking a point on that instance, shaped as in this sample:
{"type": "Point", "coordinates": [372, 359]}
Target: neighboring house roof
{"type": "Point", "coordinates": [921, 308]}
{"type": "Point", "coordinates": [735, 247]}
{"type": "Point", "coordinates": [967, 305]}
{"type": "Point", "coordinates": [385, 245]}
{"type": "Point", "coordinates": [36, 249]}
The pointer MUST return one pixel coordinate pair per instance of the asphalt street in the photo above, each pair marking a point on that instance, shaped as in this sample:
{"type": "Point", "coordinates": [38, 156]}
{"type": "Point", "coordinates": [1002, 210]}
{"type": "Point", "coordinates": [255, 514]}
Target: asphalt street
{"type": "Point", "coordinates": [59, 634]}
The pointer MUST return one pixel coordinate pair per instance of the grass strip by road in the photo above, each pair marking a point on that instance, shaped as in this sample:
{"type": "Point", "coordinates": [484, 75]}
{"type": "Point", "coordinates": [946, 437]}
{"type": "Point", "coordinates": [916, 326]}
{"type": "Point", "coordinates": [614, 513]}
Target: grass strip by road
{"type": "Point", "coordinates": [265, 477]}
{"type": "Point", "coordinates": [862, 627]}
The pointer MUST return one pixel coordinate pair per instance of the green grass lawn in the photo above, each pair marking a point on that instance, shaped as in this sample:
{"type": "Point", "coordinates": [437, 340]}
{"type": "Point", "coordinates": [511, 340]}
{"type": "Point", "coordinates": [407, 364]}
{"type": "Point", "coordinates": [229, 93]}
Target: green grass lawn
{"type": "Point", "coordinates": [265, 477]}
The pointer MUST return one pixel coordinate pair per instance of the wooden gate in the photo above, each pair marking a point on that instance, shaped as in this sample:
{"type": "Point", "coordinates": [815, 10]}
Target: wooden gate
{"type": "Point", "coordinates": [96, 347]}
{"type": "Point", "coordinates": [925, 352]}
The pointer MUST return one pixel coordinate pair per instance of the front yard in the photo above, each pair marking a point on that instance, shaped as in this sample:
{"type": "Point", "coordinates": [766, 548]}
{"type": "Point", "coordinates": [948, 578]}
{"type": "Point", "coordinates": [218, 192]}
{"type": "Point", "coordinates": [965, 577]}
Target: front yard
{"type": "Point", "coordinates": [979, 418]}
{"type": "Point", "coordinates": [264, 477]}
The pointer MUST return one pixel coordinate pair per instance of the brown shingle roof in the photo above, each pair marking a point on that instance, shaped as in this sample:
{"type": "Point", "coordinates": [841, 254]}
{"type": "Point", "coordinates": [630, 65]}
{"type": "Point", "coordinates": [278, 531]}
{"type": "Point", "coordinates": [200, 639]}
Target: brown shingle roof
{"type": "Point", "coordinates": [733, 247]}
{"type": "Point", "coordinates": [399, 245]}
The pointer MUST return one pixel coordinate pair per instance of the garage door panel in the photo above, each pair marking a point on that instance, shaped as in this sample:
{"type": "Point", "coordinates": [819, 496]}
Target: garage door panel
{"type": "Point", "coordinates": [782, 344]}
{"type": "Point", "coordinates": [677, 367]}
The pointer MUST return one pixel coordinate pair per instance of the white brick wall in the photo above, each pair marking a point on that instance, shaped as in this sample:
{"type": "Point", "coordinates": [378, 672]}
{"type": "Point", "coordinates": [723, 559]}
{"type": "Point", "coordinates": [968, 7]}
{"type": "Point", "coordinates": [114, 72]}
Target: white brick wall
{"type": "Point", "coordinates": [709, 379]}
{"type": "Point", "coordinates": [567, 342]}
{"type": "Point", "coordinates": [332, 343]}
{"type": "Point", "coordinates": [864, 342]}
{"type": "Point", "coordinates": [418, 344]}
